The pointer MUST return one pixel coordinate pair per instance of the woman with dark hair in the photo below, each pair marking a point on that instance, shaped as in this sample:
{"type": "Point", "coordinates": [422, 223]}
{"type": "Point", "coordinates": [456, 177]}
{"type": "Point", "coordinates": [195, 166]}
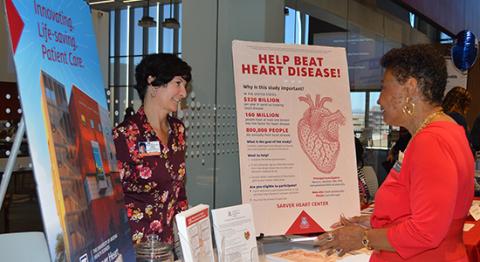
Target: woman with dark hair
{"type": "Point", "coordinates": [458, 100]}
{"type": "Point", "coordinates": [129, 111]}
{"type": "Point", "coordinates": [399, 146]}
{"type": "Point", "coordinates": [475, 134]}
{"type": "Point", "coordinates": [362, 182]}
{"type": "Point", "coordinates": [150, 149]}
{"type": "Point", "coordinates": [456, 104]}
{"type": "Point", "coordinates": [421, 207]}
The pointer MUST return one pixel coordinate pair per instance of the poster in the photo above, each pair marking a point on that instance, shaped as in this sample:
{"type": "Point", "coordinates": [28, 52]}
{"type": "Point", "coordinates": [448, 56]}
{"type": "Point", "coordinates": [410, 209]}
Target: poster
{"type": "Point", "coordinates": [68, 130]}
{"type": "Point", "coordinates": [455, 76]}
{"type": "Point", "coordinates": [295, 134]}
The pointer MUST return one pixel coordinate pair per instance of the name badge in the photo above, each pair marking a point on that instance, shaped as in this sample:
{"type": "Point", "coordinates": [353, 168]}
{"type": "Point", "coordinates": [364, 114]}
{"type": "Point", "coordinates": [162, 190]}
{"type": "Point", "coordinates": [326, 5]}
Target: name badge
{"type": "Point", "coordinates": [149, 148]}
{"type": "Point", "coordinates": [397, 166]}
{"type": "Point", "coordinates": [398, 163]}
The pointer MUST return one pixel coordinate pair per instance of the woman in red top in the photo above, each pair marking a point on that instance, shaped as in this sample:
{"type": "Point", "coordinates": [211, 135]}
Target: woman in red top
{"type": "Point", "coordinates": [150, 149]}
{"type": "Point", "coordinates": [422, 205]}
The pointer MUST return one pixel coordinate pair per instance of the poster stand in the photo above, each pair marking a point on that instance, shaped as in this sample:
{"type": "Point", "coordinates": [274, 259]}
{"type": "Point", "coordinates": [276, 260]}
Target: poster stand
{"type": "Point", "coordinates": [69, 137]}
{"type": "Point", "coordinates": [11, 160]}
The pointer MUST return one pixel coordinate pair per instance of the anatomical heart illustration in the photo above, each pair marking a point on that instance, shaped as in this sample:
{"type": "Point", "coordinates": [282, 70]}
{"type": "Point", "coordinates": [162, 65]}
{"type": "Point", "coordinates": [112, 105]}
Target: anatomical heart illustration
{"type": "Point", "coordinates": [318, 133]}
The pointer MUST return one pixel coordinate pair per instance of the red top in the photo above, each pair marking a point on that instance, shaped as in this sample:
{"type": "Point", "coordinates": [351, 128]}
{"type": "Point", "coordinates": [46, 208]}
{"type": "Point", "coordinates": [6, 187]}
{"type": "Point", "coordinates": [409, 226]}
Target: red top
{"type": "Point", "coordinates": [153, 182]}
{"type": "Point", "coordinates": [425, 204]}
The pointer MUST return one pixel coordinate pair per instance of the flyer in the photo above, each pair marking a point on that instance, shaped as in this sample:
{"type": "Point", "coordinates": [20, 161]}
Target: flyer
{"type": "Point", "coordinates": [69, 131]}
{"type": "Point", "coordinates": [235, 233]}
{"type": "Point", "coordinates": [295, 134]}
{"type": "Point", "coordinates": [195, 234]}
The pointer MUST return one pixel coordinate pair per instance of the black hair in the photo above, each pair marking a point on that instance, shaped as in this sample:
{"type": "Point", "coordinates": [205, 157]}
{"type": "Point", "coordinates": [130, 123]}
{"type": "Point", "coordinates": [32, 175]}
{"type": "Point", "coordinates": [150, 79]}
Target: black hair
{"type": "Point", "coordinates": [458, 100]}
{"type": "Point", "coordinates": [423, 62]}
{"type": "Point", "coordinates": [129, 111]}
{"type": "Point", "coordinates": [359, 152]}
{"type": "Point", "coordinates": [163, 68]}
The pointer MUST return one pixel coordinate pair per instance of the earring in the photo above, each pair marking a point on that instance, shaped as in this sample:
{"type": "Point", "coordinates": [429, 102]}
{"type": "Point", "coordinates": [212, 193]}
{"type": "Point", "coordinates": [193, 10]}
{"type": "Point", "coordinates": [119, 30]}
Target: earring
{"type": "Point", "coordinates": [409, 107]}
{"type": "Point", "coordinates": [153, 93]}
{"type": "Point", "coordinates": [150, 79]}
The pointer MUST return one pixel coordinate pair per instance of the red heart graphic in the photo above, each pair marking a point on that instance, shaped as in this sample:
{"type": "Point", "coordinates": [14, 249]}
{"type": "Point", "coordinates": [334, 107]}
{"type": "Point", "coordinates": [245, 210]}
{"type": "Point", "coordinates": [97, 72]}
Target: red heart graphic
{"type": "Point", "coordinates": [318, 133]}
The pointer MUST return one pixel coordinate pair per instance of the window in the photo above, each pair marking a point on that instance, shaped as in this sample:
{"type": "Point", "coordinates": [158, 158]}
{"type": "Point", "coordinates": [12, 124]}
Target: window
{"type": "Point", "coordinates": [368, 122]}
{"type": "Point", "coordinates": [296, 26]}
{"type": "Point", "coordinates": [83, 119]}
{"type": "Point", "coordinates": [358, 111]}
{"type": "Point", "coordinates": [445, 39]}
{"type": "Point", "coordinates": [380, 130]}
{"type": "Point", "coordinates": [364, 49]}
{"type": "Point", "coordinates": [412, 19]}
{"type": "Point", "coordinates": [128, 44]}
{"type": "Point", "coordinates": [50, 94]}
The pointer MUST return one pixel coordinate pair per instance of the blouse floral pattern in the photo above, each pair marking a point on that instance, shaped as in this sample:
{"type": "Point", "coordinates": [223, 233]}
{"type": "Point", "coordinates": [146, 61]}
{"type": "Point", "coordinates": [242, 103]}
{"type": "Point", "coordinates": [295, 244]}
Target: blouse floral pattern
{"type": "Point", "coordinates": [154, 185]}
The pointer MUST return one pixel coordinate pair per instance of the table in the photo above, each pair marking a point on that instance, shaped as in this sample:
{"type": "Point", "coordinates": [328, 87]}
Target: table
{"type": "Point", "coordinates": [270, 245]}
{"type": "Point", "coordinates": [471, 239]}
{"type": "Point", "coordinates": [22, 163]}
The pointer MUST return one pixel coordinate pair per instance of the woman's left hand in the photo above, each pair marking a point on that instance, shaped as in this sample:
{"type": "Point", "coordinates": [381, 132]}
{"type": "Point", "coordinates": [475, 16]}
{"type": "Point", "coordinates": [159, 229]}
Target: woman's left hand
{"type": "Point", "coordinates": [341, 240]}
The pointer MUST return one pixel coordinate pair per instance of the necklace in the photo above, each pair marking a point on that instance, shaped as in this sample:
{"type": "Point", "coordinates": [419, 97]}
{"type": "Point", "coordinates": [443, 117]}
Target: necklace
{"type": "Point", "coordinates": [427, 121]}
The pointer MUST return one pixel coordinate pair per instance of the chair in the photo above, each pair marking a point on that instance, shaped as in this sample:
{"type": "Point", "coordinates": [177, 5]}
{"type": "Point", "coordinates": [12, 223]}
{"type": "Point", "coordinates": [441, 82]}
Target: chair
{"type": "Point", "coordinates": [371, 179]}
{"type": "Point", "coordinates": [24, 247]}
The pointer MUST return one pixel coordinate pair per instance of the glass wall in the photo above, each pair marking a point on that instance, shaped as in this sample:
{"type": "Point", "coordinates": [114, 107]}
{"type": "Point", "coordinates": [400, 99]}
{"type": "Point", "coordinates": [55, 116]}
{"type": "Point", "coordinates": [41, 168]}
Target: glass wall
{"type": "Point", "coordinates": [367, 30]}
{"type": "Point", "coordinates": [365, 43]}
{"type": "Point", "coordinates": [129, 42]}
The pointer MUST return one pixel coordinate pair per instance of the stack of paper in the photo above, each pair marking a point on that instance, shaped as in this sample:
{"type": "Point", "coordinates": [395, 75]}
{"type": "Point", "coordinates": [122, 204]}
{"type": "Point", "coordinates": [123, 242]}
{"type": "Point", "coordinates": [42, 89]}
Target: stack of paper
{"type": "Point", "coordinates": [475, 210]}
{"type": "Point", "coordinates": [235, 233]}
{"type": "Point", "coordinates": [361, 255]}
{"type": "Point", "coordinates": [195, 234]}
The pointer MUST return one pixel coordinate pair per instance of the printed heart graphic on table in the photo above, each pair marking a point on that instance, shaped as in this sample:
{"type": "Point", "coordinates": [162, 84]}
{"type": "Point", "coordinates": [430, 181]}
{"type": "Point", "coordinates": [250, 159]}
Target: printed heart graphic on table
{"type": "Point", "coordinates": [318, 133]}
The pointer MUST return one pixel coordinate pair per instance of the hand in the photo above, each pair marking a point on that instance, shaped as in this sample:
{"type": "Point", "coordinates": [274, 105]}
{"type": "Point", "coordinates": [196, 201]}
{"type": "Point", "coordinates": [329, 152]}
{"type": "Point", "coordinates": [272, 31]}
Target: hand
{"type": "Point", "coordinates": [363, 201]}
{"type": "Point", "coordinates": [390, 157]}
{"type": "Point", "coordinates": [363, 221]}
{"type": "Point", "coordinates": [341, 240]}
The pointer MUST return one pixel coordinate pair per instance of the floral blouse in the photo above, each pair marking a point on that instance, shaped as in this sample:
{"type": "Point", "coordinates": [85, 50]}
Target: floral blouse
{"type": "Point", "coordinates": [153, 183]}
{"type": "Point", "coordinates": [363, 187]}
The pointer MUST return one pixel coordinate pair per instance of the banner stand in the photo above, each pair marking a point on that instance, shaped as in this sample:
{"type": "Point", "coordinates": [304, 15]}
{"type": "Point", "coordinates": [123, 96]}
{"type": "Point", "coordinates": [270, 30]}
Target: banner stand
{"type": "Point", "coordinates": [11, 160]}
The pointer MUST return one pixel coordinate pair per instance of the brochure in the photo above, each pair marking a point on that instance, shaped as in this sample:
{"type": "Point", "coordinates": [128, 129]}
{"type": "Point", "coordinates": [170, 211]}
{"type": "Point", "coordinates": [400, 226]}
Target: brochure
{"type": "Point", "coordinates": [195, 234]}
{"type": "Point", "coordinates": [235, 233]}
{"type": "Point", "coordinates": [362, 255]}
